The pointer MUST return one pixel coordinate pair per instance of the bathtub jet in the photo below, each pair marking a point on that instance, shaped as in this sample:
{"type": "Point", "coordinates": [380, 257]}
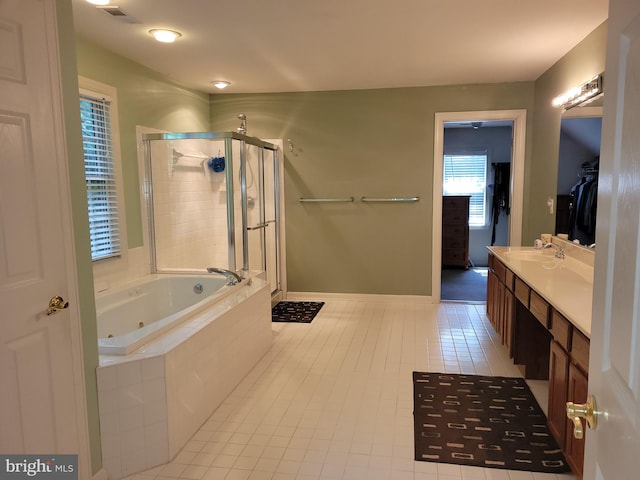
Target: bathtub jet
{"type": "Point", "coordinates": [232, 277]}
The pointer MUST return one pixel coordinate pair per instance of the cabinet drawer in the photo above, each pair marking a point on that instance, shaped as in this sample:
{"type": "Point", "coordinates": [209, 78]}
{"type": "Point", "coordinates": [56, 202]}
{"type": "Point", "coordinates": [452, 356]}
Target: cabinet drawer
{"type": "Point", "coordinates": [509, 278]}
{"type": "Point", "coordinates": [561, 330]}
{"type": "Point", "coordinates": [453, 257]}
{"type": "Point", "coordinates": [580, 350]}
{"type": "Point", "coordinates": [455, 231]}
{"type": "Point", "coordinates": [522, 292]}
{"type": "Point", "coordinates": [540, 308]}
{"type": "Point", "coordinates": [457, 216]}
{"type": "Point", "coordinates": [499, 269]}
{"type": "Point", "coordinates": [454, 242]}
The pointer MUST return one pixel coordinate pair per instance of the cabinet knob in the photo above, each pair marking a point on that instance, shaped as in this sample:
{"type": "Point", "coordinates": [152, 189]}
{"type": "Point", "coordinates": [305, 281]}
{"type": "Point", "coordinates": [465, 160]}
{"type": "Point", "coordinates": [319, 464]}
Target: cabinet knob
{"type": "Point", "coordinates": [576, 411]}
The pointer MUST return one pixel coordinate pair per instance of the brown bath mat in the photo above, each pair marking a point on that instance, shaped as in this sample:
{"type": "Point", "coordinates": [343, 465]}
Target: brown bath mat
{"type": "Point", "coordinates": [482, 421]}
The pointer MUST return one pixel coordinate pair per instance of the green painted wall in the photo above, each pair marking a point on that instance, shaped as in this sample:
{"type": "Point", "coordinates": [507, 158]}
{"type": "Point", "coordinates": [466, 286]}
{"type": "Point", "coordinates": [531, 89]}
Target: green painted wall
{"type": "Point", "coordinates": [361, 143]}
{"type": "Point", "coordinates": [582, 63]}
{"type": "Point", "coordinates": [145, 98]}
{"type": "Point", "coordinates": [78, 193]}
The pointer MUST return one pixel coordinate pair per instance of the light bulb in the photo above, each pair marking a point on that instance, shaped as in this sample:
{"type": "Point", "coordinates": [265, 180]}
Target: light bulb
{"type": "Point", "coordinates": [165, 36]}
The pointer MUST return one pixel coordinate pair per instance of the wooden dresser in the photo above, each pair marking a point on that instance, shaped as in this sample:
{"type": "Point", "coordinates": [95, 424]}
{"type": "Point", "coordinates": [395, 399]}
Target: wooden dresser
{"type": "Point", "coordinates": [455, 231]}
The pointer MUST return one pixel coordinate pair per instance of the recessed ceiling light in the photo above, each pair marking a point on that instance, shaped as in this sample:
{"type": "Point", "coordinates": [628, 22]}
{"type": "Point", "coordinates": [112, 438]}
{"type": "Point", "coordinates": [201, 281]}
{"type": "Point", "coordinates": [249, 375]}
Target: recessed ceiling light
{"type": "Point", "coordinates": [221, 84]}
{"type": "Point", "coordinates": [99, 2]}
{"type": "Point", "coordinates": [165, 36]}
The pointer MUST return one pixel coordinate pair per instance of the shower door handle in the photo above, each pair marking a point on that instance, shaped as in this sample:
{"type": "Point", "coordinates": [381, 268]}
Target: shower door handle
{"type": "Point", "coordinates": [259, 226]}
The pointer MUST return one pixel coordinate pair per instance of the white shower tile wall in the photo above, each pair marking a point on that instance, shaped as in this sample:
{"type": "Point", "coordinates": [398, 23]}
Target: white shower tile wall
{"type": "Point", "coordinates": [190, 206]}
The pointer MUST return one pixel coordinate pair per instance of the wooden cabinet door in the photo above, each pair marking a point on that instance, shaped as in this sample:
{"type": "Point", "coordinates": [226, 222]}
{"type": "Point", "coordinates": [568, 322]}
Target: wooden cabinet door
{"type": "Point", "coordinates": [558, 381]}
{"type": "Point", "coordinates": [509, 303]}
{"type": "Point", "coordinates": [574, 448]}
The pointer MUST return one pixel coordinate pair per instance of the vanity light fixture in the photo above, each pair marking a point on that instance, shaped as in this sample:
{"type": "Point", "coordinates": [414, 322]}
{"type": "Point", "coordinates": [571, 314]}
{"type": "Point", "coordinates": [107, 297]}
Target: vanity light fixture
{"type": "Point", "coordinates": [579, 94]}
{"type": "Point", "coordinates": [165, 36]}
{"type": "Point", "coordinates": [221, 84]}
{"type": "Point", "coordinates": [99, 2]}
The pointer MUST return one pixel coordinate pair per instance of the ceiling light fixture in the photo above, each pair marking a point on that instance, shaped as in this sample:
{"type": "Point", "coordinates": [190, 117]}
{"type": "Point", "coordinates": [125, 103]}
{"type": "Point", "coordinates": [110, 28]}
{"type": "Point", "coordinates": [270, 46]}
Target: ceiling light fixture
{"type": "Point", "coordinates": [165, 36]}
{"type": "Point", "coordinates": [579, 94]}
{"type": "Point", "coordinates": [99, 2]}
{"type": "Point", "coordinates": [221, 84]}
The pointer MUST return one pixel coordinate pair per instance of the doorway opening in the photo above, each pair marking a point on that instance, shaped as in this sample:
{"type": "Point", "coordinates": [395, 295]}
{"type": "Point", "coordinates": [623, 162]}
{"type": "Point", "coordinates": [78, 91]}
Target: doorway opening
{"type": "Point", "coordinates": [478, 183]}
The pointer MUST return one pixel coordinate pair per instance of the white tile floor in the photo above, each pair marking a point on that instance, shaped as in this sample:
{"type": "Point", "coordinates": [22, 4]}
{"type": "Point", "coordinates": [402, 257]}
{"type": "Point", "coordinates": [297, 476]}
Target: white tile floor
{"type": "Point", "coordinates": [334, 399]}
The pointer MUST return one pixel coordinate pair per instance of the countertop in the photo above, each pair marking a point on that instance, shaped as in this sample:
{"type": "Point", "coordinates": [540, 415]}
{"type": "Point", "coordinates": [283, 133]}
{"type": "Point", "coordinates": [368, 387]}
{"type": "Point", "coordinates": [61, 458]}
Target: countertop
{"type": "Point", "coordinates": [567, 284]}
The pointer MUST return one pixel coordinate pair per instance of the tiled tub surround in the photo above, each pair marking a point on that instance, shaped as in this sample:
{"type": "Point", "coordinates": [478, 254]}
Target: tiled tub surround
{"type": "Point", "coordinates": [153, 400]}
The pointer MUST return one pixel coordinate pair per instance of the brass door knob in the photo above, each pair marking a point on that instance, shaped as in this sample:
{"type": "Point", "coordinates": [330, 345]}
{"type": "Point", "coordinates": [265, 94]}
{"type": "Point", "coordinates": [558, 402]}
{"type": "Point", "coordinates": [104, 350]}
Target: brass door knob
{"type": "Point", "coordinates": [55, 304]}
{"type": "Point", "coordinates": [576, 411]}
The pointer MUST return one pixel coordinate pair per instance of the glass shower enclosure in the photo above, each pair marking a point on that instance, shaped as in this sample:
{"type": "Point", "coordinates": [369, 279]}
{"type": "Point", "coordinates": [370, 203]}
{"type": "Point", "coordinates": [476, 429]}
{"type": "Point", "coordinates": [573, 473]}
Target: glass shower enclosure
{"type": "Point", "coordinates": [212, 200]}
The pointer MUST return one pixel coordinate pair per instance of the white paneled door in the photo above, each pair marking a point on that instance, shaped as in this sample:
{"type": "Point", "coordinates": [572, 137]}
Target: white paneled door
{"type": "Point", "coordinates": [613, 447]}
{"type": "Point", "coordinates": [42, 400]}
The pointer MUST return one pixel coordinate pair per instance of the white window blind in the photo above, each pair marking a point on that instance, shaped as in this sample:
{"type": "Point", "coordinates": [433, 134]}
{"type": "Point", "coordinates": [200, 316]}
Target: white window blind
{"type": "Point", "coordinates": [100, 176]}
{"type": "Point", "coordinates": [466, 174]}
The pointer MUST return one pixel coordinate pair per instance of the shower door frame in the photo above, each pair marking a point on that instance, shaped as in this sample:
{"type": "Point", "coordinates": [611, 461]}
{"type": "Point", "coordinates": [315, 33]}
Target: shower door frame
{"type": "Point", "coordinates": [228, 138]}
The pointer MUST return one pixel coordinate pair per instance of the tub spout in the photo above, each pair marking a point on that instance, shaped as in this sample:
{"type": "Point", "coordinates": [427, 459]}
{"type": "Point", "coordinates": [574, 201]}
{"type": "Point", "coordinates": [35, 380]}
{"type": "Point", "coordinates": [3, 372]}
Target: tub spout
{"type": "Point", "coordinates": [232, 277]}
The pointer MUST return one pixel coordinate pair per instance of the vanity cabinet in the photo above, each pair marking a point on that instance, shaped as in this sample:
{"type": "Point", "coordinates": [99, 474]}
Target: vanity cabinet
{"type": "Point", "coordinates": [455, 231]}
{"type": "Point", "coordinates": [500, 301]}
{"type": "Point", "coordinates": [546, 345]}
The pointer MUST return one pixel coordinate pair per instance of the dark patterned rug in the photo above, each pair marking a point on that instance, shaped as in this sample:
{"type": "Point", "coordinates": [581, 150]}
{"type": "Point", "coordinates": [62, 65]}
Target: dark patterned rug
{"type": "Point", "coordinates": [301, 312]}
{"type": "Point", "coordinates": [482, 421]}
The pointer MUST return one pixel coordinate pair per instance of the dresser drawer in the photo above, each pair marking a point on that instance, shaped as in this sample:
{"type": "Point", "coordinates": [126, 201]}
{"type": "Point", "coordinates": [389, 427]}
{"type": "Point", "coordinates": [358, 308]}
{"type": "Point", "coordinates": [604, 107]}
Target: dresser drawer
{"type": "Point", "coordinates": [454, 242]}
{"type": "Point", "coordinates": [457, 216]}
{"type": "Point", "coordinates": [453, 257]}
{"type": "Point", "coordinates": [454, 230]}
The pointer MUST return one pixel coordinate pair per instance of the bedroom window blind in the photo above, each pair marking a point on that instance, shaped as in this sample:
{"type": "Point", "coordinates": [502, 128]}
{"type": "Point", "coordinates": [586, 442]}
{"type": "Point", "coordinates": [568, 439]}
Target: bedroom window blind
{"type": "Point", "coordinates": [100, 175]}
{"type": "Point", "coordinates": [466, 174]}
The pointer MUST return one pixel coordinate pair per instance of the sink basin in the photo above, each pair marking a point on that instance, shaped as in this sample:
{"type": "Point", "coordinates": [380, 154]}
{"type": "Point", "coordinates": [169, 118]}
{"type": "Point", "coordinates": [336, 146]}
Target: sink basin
{"type": "Point", "coordinates": [531, 255]}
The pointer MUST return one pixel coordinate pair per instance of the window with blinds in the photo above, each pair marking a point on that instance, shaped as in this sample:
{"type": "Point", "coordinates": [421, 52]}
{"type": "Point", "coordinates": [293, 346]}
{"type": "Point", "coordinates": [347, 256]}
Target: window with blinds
{"type": "Point", "coordinates": [466, 174]}
{"type": "Point", "coordinates": [100, 175]}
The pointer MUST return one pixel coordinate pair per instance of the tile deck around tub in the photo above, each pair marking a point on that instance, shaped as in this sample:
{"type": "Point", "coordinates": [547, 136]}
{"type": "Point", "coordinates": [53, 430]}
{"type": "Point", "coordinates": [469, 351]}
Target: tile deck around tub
{"type": "Point", "coordinates": [333, 399]}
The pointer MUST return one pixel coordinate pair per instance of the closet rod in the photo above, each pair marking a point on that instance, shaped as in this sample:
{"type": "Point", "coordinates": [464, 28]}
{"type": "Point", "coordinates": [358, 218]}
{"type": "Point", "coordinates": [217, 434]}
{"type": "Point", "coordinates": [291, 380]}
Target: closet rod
{"type": "Point", "coordinates": [326, 200]}
{"type": "Point", "coordinates": [390, 199]}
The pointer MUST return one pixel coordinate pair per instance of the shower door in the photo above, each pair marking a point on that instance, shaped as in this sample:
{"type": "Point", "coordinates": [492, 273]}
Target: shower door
{"type": "Point", "coordinates": [259, 174]}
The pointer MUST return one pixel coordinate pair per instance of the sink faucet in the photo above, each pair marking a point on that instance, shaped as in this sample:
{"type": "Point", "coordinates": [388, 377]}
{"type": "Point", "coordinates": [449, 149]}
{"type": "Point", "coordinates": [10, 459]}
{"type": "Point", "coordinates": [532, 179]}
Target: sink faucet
{"type": "Point", "coordinates": [232, 277]}
{"type": "Point", "coordinates": [559, 249]}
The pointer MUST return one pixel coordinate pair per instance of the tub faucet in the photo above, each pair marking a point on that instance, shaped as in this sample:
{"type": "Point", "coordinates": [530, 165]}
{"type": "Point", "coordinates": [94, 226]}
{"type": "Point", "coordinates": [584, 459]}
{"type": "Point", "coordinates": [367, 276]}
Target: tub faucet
{"type": "Point", "coordinates": [559, 249]}
{"type": "Point", "coordinates": [232, 277]}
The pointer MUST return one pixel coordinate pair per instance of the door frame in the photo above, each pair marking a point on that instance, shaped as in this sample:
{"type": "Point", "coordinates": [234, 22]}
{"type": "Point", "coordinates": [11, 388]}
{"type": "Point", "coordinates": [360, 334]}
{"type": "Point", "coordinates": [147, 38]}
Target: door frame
{"type": "Point", "coordinates": [519, 118]}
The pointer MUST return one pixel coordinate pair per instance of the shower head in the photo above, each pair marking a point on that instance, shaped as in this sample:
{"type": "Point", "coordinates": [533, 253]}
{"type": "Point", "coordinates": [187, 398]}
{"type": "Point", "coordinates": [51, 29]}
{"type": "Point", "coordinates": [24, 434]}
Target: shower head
{"type": "Point", "coordinates": [243, 124]}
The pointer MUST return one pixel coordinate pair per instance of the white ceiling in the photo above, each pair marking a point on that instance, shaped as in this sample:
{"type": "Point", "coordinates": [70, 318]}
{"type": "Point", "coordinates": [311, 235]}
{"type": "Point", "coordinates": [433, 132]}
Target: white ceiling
{"type": "Point", "coordinates": [304, 45]}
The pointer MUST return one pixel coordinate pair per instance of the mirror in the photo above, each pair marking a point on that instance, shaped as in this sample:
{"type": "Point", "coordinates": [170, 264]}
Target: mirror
{"type": "Point", "coordinates": [578, 165]}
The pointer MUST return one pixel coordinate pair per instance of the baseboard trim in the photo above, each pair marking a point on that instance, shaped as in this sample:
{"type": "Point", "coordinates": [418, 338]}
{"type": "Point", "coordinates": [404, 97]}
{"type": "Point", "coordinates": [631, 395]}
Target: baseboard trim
{"type": "Point", "coordinates": [360, 297]}
{"type": "Point", "coordinates": [101, 475]}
